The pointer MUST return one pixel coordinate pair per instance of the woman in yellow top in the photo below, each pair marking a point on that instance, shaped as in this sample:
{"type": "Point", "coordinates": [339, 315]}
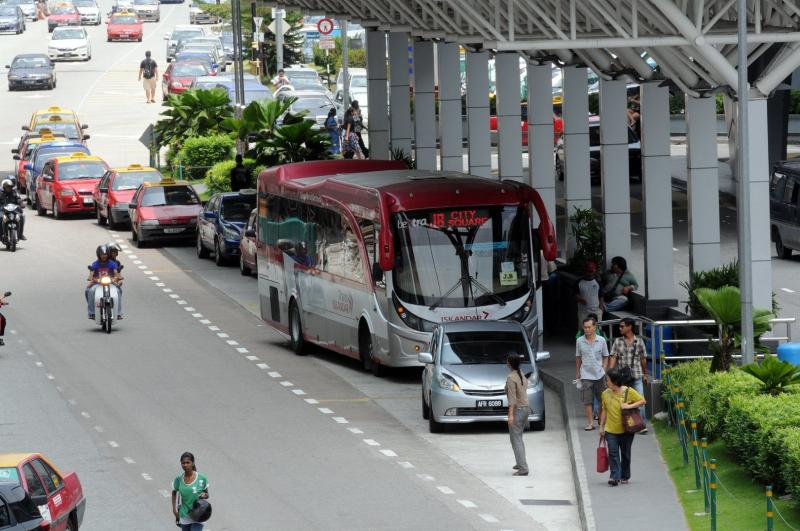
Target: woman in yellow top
{"type": "Point", "coordinates": [614, 399]}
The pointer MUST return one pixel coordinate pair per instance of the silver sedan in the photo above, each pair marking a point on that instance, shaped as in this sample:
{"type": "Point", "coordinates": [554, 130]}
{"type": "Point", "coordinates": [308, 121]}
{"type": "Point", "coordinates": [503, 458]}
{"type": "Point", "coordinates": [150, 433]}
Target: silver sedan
{"type": "Point", "coordinates": [465, 374]}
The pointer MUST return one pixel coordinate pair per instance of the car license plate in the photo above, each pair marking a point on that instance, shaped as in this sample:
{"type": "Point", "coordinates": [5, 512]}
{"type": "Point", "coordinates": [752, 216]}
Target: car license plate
{"type": "Point", "coordinates": [88, 201]}
{"type": "Point", "coordinates": [488, 403]}
{"type": "Point", "coordinates": [173, 230]}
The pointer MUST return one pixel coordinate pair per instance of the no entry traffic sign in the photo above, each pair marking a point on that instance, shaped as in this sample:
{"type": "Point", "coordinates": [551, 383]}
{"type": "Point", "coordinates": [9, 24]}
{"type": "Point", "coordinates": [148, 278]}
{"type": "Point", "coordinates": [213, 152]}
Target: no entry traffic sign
{"type": "Point", "coordinates": [325, 26]}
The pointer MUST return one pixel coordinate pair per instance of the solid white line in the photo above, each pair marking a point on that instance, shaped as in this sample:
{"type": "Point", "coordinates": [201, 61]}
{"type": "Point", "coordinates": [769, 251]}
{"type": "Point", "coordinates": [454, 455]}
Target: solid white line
{"type": "Point", "coordinates": [147, 477]}
{"type": "Point", "coordinates": [274, 374]}
{"type": "Point", "coordinates": [405, 464]}
{"type": "Point", "coordinates": [489, 518]}
{"type": "Point", "coordinates": [355, 430]}
{"type": "Point", "coordinates": [242, 350]}
{"type": "Point", "coordinates": [787, 290]}
{"type": "Point", "coordinates": [311, 401]}
{"type": "Point", "coordinates": [371, 442]}
{"type": "Point", "coordinates": [287, 383]}
{"type": "Point", "coordinates": [341, 420]}
{"type": "Point", "coordinates": [325, 410]}
{"type": "Point", "coordinates": [113, 444]}
{"type": "Point", "coordinates": [252, 358]}
{"type": "Point", "coordinates": [445, 490]}
{"type": "Point", "coordinates": [214, 328]}
{"type": "Point", "coordinates": [298, 392]}
{"type": "Point", "coordinates": [466, 503]}
{"type": "Point", "coordinates": [262, 366]}
{"type": "Point", "coordinates": [129, 460]}
{"type": "Point", "coordinates": [389, 453]}
{"type": "Point", "coordinates": [222, 335]}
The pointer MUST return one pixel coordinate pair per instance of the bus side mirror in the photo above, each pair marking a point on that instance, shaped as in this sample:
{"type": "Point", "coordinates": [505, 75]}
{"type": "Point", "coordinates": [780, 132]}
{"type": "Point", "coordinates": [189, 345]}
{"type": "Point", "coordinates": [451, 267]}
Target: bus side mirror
{"type": "Point", "coordinates": [250, 233]}
{"type": "Point", "coordinates": [377, 272]}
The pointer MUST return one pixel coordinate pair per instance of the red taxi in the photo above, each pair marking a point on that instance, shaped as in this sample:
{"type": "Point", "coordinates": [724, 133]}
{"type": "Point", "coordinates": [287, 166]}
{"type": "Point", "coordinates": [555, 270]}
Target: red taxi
{"type": "Point", "coordinates": [22, 154]}
{"type": "Point", "coordinates": [58, 496]}
{"type": "Point", "coordinates": [114, 192]}
{"type": "Point", "coordinates": [248, 252]}
{"type": "Point", "coordinates": [63, 15]}
{"type": "Point", "coordinates": [66, 184]}
{"type": "Point", "coordinates": [124, 26]}
{"type": "Point", "coordinates": [166, 210]}
{"type": "Point", "coordinates": [180, 76]}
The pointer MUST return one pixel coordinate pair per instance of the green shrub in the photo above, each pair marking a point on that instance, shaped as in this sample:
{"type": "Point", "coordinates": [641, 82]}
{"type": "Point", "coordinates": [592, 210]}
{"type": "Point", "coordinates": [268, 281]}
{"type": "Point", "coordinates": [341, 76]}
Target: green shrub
{"type": "Point", "coordinates": [218, 178]}
{"type": "Point", "coordinates": [753, 432]}
{"type": "Point", "coordinates": [791, 461]}
{"type": "Point", "coordinates": [200, 153]}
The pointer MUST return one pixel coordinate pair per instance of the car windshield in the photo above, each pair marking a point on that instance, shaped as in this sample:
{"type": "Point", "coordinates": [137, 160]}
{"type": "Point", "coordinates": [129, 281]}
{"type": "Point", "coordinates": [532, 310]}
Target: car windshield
{"type": "Point", "coordinates": [20, 2]}
{"type": "Point", "coordinates": [464, 257]}
{"type": "Point", "coordinates": [84, 3]}
{"type": "Point", "coordinates": [485, 347]}
{"type": "Point", "coordinates": [43, 156]}
{"type": "Point", "coordinates": [312, 104]}
{"type": "Point", "coordinates": [227, 38]}
{"type": "Point", "coordinates": [253, 95]}
{"type": "Point", "coordinates": [190, 70]}
{"type": "Point", "coordinates": [9, 474]}
{"type": "Point", "coordinates": [208, 85]}
{"type": "Point", "coordinates": [168, 196]}
{"type": "Point", "coordinates": [72, 171]}
{"type": "Point", "coordinates": [306, 83]}
{"type": "Point", "coordinates": [124, 19]}
{"type": "Point", "coordinates": [69, 129]}
{"type": "Point", "coordinates": [130, 180]}
{"type": "Point", "coordinates": [145, 2]}
{"type": "Point", "coordinates": [63, 10]}
{"type": "Point", "coordinates": [185, 34]}
{"type": "Point", "coordinates": [64, 34]}
{"type": "Point", "coordinates": [30, 62]}
{"type": "Point", "coordinates": [359, 81]}
{"type": "Point", "coordinates": [237, 209]}
{"type": "Point", "coordinates": [198, 45]}
{"type": "Point", "coordinates": [8, 11]}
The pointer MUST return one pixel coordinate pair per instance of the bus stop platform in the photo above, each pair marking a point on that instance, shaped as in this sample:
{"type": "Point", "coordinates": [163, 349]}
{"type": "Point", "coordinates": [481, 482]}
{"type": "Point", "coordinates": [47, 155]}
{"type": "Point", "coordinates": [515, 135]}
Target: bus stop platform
{"type": "Point", "coordinates": [649, 501]}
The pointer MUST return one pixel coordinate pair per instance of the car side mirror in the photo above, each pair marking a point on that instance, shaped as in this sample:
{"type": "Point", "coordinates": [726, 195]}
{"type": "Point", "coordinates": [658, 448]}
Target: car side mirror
{"type": "Point", "coordinates": [132, 206]}
{"type": "Point", "coordinates": [542, 356]}
{"type": "Point", "coordinates": [210, 215]}
{"type": "Point", "coordinates": [8, 66]}
{"type": "Point", "coordinates": [84, 126]}
{"type": "Point", "coordinates": [16, 157]}
{"type": "Point", "coordinates": [26, 128]}
{"type": "Point", "coordinates": [7, 294]}
{"type": "Point", "coordinates": [14, 150]}
{"type": "Point", "coordinates": [87, 137]}
{"type": "Point", "coordinates": [103, 190]}
{"type": "Point", "coordinates": [425, 358]}
{"type": "Point", "coordinates": [47, 177]}
{"type": "Point", "coordinates": [39, 500]}
{"type": "Point", "coordinates": [28, 166]}
{"type": "Point", "coordinates": [377, 272]}
{"type": "Point", "coordinates": [250, 233]}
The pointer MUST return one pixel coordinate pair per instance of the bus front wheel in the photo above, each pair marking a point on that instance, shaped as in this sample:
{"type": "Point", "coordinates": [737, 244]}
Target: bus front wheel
{"type": "Point", "coordinates": [366, 352]}
{"type": "Point", "coordinates": [296, 330]}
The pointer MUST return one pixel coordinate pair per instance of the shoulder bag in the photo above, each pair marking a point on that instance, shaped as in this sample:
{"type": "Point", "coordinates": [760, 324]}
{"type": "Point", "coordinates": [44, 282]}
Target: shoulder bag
{"type": "Point", "coordinates": [609, 295]}
{"type": "Point", "coordinates": [632, 421]}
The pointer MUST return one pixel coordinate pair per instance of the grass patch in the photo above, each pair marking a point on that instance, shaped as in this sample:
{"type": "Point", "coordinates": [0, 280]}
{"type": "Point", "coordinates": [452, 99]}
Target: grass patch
{"type": "Point", "coordinates": [744, 507]}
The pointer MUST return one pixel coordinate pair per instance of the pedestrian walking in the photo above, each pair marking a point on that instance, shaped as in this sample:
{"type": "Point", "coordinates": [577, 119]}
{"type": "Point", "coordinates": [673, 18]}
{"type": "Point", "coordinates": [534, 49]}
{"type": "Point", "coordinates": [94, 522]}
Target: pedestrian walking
{"type": "Point", "coordinates": [614, 399]}
{"type": "Point", "coordinates": [358, 127]}
{"type": "Point", "coordinates": [587, 293]}
{"type": "Point", "coordinates": [332, 127]}
{"type": "Point", "coordinates": [241, 176]}
{"type": "Point", "coordinates": [628, 354]}
{"type": "Point", "coordinates": [187, 488]}
{"type": "Point", "coordinates": [148, 71]}
{"type": "Point", "coordinates": [518, 411]}
{"type": "Point", "coordinates": [591, 359]}
{"type": "Point", "coordinates": [351, 148]}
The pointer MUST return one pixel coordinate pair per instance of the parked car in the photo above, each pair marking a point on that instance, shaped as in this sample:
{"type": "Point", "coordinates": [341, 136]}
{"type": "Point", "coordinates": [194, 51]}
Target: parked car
{"type": "Point", "coordinates": [198, 16]}
{"type": "Point", "coordinates": [465, 373]}
{"type": "Point", "coordinates": [316, 106]}
{"type": "Point", "coordinates": [69, 127]}
{"type": "Point", "coordinates": [114, 192]}
{"type": "Point", "coordinates": [179, 76]}
{"type": "Point", "coordinates": [784, 207]}
{"type": "Point", "coordinates": [69, 44]}
{"type": "Point", "coordinates": [358, 79]}
{"type": "Point", "coordinates": [253, 91]}
{"type": "Point", "coordinates": [57, 498]}
{"type": "Point", "coordinates": [248, 255]}
{"type": "Point", "coordinates": [66, 183]}
{"type": "Point", "coordinates": [24, 153]}
{"type": "Point", "coordinates": [180, 32]}
{"type": "Point", "coordinates": [17, 510]}
{"type": "Point", "coordinates": [12, 19]}
{"type": "Point", "coordinates": [221, 223]}
{"type": "Point", "coordinates": [41, 155]}
{"type": "Point", "coordinates": [166, 210]}
{"type": "Point", "coordinates": [634, 152]}
{"type": "Point", "coordinates": [31, 70]}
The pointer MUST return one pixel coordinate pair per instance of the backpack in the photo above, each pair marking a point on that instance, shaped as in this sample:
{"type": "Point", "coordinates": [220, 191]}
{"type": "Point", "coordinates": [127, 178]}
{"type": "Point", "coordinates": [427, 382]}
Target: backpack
{"type": "Point", "coordinates": [149, 68]}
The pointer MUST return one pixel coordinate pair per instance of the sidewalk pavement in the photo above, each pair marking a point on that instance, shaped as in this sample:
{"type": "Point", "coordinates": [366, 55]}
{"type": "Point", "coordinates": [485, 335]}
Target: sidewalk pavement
{"type": "Point", "coordinates": [649, 501]}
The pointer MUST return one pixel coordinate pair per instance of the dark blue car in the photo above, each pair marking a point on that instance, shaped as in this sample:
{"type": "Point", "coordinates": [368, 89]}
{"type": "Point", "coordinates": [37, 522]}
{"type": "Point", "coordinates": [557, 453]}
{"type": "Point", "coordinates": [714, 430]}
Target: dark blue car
{"type": "Point", "coordinates": [44, 153]}
{"type": "Point", "coordinates": [220, 224]}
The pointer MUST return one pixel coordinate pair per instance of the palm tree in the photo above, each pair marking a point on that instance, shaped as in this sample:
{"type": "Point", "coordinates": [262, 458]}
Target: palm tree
{"type": "Point", "coordinates": [724, 306]}
{"type": "Point", "coordinates": [195, 112]}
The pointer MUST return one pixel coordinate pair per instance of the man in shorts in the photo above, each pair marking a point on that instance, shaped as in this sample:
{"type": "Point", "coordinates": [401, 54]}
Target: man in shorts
{"type": "Point", "coordinates": [591, 360]}
{"type": "Point", "coordinates": [148, 70]}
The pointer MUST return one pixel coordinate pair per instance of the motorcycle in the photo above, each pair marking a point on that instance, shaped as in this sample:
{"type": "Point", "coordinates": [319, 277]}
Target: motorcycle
{"type": "Point", "coordinates": [11, 214]}
{"type": "Point", "coordinates": [106, 302]}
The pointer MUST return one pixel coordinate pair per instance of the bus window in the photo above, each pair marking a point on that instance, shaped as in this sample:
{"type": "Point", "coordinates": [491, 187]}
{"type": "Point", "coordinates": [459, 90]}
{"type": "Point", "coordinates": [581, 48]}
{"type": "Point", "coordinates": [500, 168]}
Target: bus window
{"type": "Point", "coordinates": [352, 266]}
{"type": "Point", "coordinates": [368, 233]}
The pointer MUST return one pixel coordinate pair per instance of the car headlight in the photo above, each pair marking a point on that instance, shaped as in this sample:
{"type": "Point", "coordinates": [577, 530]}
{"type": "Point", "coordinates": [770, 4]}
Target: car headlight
{"type": "Point", "coordinates": [149, 222]}
{"type": "Point", "coordinates": [177, 84]}
{"type": "Point", "coordinates": [13, 76]}
{"type": "Point", "coordinates": [67, 193]}
{"type": "Point", "coordinates": [230, 234]}
{"type": "Point", "coordinates": [447, 382]}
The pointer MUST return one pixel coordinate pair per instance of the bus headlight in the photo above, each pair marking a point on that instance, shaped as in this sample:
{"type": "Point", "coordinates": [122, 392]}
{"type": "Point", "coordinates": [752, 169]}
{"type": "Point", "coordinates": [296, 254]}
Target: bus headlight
{"type": "Point", "coordinates": [524, 311]}
{"type": "Point", "coordinates": [415, 322]}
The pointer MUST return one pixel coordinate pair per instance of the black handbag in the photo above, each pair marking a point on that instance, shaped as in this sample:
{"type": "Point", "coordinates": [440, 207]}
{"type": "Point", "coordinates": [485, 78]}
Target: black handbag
{"type": "Point", "coordinates": [201, 510]}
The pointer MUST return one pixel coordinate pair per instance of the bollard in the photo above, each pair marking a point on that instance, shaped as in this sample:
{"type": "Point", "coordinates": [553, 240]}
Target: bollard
{"type": "Point", "coordinates": [769, 508]}
{"type": "Point", "coordinates": [695, 454]}
{"type": "Point", "coordinates": [180, 172]}
{"type": "Point", "coordinates": [682, 434]}
{"type": "Point", "coordinates": [704, 450]}
{"type": "Point", "coordinates": [713, 486]}
{"type": "Point", "coordinates": [670, 400]}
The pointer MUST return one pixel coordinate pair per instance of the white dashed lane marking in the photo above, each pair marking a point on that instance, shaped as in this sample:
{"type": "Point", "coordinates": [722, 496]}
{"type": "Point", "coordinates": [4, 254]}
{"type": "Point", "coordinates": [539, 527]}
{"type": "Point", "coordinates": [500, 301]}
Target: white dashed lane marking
{"type": "Point", "coordinates": [371, 442]}
{"type": "Point", "coordinates": [489, 518]}
{"type": "Point", "coordinates": [311, 401]}
{"type": "Point", "coordinates": [99, 429]}
{"type": "Point", "coordinates": [445, 490]}
{"type": "Point", "coordinates": [189, 309]}
{"type": "Point", "coordinates": [262, 366]}
{"type": "Point", "coordinates": [174, 296]}
{"type": "Point", "coordinates": [341, 420]}
{"type": "Point", "coordinates": [274, 374]}
{"type": "Point", "coordinates": [298, 392]}
{"type": "Point", "coordinates": [787, 290]}
{"type": "Point", "coordinates": [325, 410]}
{"type": "Point", "coordinates": [389, 453]}
{"type": "Point", "coordinates": [205, 321]}
{"type": "Point", "coordinates": [129, 460]}
{"type": "Point", "coordinates": [252, 358]}
{"type": "Point", "coordinates": [147, 477]}
{"type": "Point", "coordinates": [287, 383]}
{"type": "Point", "coordinates": [468, 504]}
{"type": "Point", "coordinates": [113, 444]}
{"type": "Point", "coordinates": [214, 328]}
{"type": "Point", "coordinates": [232, 342]}
{"type": "Point", "coordinates": [425, 477]}
{"type": "Point", "coordinates": [405, 464]}
{"type": "Point", "coordinates": [181, 302]}
{"type": "Point", "coordinates": [242, 350]}
{"type": "Point", "coordinates": [222, 335]}
{"type": "Point", "coordinates": [85, 414]}
{"type": "Point", "coordinates": [164, 493]}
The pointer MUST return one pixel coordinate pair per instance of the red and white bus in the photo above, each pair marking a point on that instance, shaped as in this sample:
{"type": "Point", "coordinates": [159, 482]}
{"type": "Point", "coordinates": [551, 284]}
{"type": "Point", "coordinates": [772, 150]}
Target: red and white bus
{"type": "Point", "coordinates": [366, 257]}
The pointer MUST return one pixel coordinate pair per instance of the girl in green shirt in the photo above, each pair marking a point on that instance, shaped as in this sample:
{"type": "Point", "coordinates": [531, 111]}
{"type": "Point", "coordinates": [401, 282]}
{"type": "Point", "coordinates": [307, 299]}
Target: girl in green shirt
{"type": "Point", "coordinates": [186, 489]}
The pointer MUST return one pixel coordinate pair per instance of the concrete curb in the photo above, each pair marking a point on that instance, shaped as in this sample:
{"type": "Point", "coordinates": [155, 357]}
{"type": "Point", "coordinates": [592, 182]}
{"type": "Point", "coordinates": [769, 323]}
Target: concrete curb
{"type": "Point", "coordinates": [578, 469]}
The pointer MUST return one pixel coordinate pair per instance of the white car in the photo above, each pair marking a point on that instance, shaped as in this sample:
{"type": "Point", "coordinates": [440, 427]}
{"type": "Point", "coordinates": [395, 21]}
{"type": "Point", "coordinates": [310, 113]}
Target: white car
{"type": "Point", "coordinates": [69, 43]}
{"type": "Point", "coordinates": [148, 10]}
{"type": "Point", "coordinates": [89, 11]}
{"type": "Point", "coordinates": [358, 79]}
{"type": "Point", "coordinates": [28, 7]}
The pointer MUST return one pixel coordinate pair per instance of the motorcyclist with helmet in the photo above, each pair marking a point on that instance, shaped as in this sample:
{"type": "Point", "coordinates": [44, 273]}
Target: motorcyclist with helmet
{"type": "Point", "coordinates": [103, 266]}
{"type": "Point", "coordinates": [8, 196]}
{"type": "Point", "coordinates": [113, 253]}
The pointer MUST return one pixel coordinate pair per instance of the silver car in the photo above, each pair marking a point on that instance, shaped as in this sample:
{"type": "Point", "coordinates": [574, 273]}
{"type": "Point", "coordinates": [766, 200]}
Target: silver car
{"type": "Point", "coordinates": [465, 374]}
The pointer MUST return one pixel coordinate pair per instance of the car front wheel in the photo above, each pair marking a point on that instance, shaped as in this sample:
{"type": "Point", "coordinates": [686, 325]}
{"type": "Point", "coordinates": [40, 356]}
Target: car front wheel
{"type": "Point", "coordinates": [782, 250]}
{"type": "Point", "coordinates": [426, 410]}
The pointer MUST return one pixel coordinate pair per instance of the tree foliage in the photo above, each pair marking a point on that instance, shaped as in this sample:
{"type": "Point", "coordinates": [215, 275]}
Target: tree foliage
{"type": "Point", "coordinates": [775, 375]}
{"type": "Point", "coordinates": [195, 112]}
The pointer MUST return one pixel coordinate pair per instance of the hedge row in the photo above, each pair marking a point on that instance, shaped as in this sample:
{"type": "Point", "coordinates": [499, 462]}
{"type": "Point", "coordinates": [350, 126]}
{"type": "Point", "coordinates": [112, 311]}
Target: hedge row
{"type": "Point", "coordinates": [762, 431]}
{"type": "Point", "coordinates": [200, 153]}
{"type": "Point", "coordinates": [218, 178]}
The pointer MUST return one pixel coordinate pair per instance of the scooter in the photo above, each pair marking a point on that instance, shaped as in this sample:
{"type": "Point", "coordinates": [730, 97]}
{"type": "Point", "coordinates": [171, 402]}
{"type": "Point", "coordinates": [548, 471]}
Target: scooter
{"type": "Point", "coordinates": [106, 302]}
{"type": "Point", "coordinates": [10, 236]}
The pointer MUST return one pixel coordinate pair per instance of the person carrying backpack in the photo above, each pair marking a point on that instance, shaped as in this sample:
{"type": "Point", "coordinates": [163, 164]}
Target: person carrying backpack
{"type": "Point", "coordinates": [148, 70]}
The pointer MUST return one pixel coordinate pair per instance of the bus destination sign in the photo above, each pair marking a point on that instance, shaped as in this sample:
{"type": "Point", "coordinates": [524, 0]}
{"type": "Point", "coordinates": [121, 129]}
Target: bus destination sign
{"type": "Point", "coordinates": [445, 219]}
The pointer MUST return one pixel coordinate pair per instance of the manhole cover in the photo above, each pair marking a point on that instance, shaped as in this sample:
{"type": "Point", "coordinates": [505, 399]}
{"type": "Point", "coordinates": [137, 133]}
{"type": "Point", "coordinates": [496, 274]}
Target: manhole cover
{"type": "Point", "coordinates": [545, 502]}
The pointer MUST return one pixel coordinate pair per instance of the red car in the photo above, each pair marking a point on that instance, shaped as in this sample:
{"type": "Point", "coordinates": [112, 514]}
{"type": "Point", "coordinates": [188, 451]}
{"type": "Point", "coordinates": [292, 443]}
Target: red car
{"type": "Point", "coordinates": [63, 15]}
{"type": "Point", "coordinates": [166, 210]}
{"type": "Point", "coordinates": [248, 259]}
{"type": "Point", "coordinates": [114, 192]}
{"type": "Point", "coordinates": [558, 128]}
{"type": "Point", "coordinates": [124, 26]}
{"type": "Point", "coordinates": [58, 496]}
{"type": "Point", "coordinates": [66, 184]}
{"type": "Point", "coordinates": [179, 76]}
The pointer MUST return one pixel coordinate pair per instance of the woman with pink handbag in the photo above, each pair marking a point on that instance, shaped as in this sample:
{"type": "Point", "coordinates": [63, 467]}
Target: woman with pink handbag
{"type": "Point", "coordinates": [614, 400]}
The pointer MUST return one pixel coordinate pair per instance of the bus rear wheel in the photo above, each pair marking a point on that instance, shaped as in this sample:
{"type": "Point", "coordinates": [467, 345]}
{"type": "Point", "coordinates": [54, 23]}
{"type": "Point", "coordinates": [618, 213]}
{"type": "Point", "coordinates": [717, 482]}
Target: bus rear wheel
{"type": "Point", "coordinates": [296, 331]}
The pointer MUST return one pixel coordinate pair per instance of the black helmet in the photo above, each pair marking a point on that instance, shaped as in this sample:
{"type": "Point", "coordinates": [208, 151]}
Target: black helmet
{"type": "Point", "coordinates": [102, 249]}
{"type": "Point", "coordinates": [200, 511]}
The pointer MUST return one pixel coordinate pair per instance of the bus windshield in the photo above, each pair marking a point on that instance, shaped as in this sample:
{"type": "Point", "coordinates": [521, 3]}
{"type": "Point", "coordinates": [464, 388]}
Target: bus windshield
{"type": "Point", "coordinates": [457, 258]}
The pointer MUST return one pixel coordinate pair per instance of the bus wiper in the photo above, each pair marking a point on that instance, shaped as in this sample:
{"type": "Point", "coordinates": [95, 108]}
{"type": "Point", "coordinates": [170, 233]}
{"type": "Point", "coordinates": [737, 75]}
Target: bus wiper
{"type": "Point", "coordinates": [472, 282]}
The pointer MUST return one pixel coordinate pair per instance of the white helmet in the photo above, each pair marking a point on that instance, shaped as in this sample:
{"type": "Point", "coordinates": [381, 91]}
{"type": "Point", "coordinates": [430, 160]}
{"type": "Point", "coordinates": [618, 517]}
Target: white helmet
{"type": "Point", "coordinates": [8, 182]}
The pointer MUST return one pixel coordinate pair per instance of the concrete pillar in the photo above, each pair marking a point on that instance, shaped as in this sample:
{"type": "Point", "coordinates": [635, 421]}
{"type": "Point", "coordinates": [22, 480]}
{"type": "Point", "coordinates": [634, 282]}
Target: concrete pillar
{"type": "Point", "coordinates": [614, 170]}
{"type": "Point", "coordinates": [703, 183]}
{"type": "Point", "coordinates": [376, 92]}
{"type": "Point", "coordinates": [509, 133]}
{"type": "Point", "coordinates": [657, 193]}
{"type": "Point", "coordinates": [540, 134]}
{"type": "Point", "coordinates": [758, 175]}
{"type": "Point", "coordinates": [424, 106]}
{"type": "Point", "coordinates": [577, 181]}
{"type": "Point", "coordinates": [400, 100]}
{"type": "Point", "coordinates": [450, 129]}
{"type": "Point", "coordinates": [479, 139]}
